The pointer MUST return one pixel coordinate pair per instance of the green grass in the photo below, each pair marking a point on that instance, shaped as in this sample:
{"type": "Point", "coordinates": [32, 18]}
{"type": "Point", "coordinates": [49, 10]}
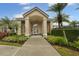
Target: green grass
{"type": "Point", "coordinates": [10, 44]}
{"type": "Point", "coordinates": [64, 51]}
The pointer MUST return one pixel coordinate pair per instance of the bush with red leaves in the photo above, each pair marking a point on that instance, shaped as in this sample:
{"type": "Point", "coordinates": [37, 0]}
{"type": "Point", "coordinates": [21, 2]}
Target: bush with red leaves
{"type": "Point", "coordinates": [3, 34]}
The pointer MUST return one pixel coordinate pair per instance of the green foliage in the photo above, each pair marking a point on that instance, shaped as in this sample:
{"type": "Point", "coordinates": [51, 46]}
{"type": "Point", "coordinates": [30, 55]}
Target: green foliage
{"type": "Point", "coordinates": [57, 32]}
{"type": "Point", "coordinates": [10, 24]}
{"type": "Point", "coordinates": [74, 45]}
{"type": "Point", "coordinates": [73, 23]}
{"type": "Point", "coordinates": [6, 21]}
{"type": "Point", "coordinates": [15, 38]}
{"type": "Point", "coordinates": [71, 34]}
{"type": "Point", "coordinates": [57, 40]}
{"type": "Point", "coordinates": [64, 18]}
{"type": "Point", "coordinates": [58, 8]}
{"type": "Point", "coordinates": [48, 33]}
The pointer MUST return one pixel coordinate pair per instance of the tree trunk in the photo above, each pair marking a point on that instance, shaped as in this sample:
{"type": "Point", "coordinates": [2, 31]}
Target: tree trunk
{"type": "Point", "coordinates": [59, 18]}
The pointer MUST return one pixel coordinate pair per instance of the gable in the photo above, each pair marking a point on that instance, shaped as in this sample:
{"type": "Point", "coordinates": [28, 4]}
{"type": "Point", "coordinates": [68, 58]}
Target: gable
{"type": "Point", "coordinates": [35, 11]}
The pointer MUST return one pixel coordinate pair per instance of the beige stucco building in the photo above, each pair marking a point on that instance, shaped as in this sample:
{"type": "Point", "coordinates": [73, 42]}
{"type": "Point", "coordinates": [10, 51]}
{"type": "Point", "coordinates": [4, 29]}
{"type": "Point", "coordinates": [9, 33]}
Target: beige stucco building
{"type": "Point", "coordinates": [34, 22]}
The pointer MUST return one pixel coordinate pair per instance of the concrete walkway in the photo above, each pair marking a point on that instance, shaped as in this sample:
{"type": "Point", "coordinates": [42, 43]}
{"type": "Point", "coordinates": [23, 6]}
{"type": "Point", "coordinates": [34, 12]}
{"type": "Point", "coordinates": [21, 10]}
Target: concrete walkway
{"type": "Point", "coordinates": [36, 46]}
{"type": "Point", "coordinates": [8, 50]}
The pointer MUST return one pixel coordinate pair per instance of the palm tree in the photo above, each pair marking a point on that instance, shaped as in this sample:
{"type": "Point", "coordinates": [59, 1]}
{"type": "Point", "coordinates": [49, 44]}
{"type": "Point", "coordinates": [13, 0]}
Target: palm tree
{"type": "Point", "coordinates": [10, 24]}
{"type": "Point", "coordinates": [58, 8]}
{"type": "Point", "coordinates": [6, 21]}
{"type": "Point", "coordinates": [64, 18]}
{"type": "Point", "coordinates": [14, 26]}
{"type": "Point", "coordinates": [73, 23]}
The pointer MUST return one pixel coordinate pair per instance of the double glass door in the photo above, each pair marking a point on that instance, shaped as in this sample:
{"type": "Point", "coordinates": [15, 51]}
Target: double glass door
{"type": "Point", "coordinates": [35, 29]}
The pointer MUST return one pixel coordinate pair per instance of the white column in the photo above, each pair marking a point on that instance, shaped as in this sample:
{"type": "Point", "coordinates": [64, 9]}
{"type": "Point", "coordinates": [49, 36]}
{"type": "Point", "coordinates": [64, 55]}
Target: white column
{"type": "Point", "coordinates": [27, 26]}
{"type": "Point", "coordinates": [19, 27]}
{"type": "Point", "coordinates": [44, 27]}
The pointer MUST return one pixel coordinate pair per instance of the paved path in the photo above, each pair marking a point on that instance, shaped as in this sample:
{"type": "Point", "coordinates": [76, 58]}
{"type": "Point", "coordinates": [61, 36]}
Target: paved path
{"type": "Point", "coordinates": [7, 50]}
{"type": "Point", "coordinates": [36, 46]}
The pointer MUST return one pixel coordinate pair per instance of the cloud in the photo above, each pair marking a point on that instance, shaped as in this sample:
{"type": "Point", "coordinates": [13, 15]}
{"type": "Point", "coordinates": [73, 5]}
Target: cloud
{"type": "Point", "coordinates": [55, 25]}
{"type": "Point", "coordinates": [50, 4]}
{"type": "Point", "coordinates": [70, 3]}
{"type": "Point", "coordinates": [26, 7]}
{"type": "Point", "coordinates": [71, 18]}
{"type": "Point", "coordinates": [74, 17]}
{"type": "Point", "coordinates": [18, 15]}
{"type": "Point", "coordinates": [23, 3]}
{"type": "Point", "coordinates": [65, 23]}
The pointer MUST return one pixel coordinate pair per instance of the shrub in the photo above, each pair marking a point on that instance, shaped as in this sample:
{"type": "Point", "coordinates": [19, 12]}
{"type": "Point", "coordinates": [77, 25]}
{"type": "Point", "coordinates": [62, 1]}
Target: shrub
{"type": "Point", "coordinates": [48, 33]}
{"type": "Point", "coordinates": [10, 39]}
{"type": "Point", "coordinates": [57, 40]}
{"type": "Point", "coordinates": [57, 32]}
{"type": "Point", "coordinates": [71, 34]}
{"type": "Point", "coordinates": [21, 39]}
{"type": "Point", "coordinates": [15, 38]}
{"type": "Point", "coordinates": [12, 34]}
{"type": "Point", "coordinates": [3, 34]}
{"type": "Point", "coordinates": [74, 44]}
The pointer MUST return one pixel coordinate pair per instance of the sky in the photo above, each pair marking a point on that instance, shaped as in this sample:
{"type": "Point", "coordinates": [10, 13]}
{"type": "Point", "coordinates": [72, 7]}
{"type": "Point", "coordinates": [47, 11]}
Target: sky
{"type": "Point", "coordinates": [13, 10]}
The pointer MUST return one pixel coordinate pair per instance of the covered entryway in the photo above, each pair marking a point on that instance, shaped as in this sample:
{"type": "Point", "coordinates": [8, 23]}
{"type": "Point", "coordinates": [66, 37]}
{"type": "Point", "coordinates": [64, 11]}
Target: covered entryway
{"type": "Point", "coordinates": [36, 27]}
{"type": "Point", "coordinates": [35, 22]}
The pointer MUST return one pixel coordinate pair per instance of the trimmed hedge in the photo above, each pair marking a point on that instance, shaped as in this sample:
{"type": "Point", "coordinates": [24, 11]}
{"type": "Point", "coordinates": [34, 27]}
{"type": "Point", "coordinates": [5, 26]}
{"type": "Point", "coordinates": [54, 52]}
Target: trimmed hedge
{"type": "Point", "coordinates": [57, 32]}
{"type": "Point", "coordinates": [71, 34]}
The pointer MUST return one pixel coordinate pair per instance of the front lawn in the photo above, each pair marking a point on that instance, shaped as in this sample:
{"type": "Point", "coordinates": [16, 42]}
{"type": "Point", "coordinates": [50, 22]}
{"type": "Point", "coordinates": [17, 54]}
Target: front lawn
{"type": "Point", "coordinates": [64, 51]}
{"type": "Point", "coordinates": [10, 44]}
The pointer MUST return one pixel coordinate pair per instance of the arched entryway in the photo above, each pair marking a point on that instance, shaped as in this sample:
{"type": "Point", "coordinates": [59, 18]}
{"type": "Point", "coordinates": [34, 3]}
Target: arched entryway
{"type": "Point", "coordinates": [35, 22]}
{"type": "Point", "coordinates": [36, 27]}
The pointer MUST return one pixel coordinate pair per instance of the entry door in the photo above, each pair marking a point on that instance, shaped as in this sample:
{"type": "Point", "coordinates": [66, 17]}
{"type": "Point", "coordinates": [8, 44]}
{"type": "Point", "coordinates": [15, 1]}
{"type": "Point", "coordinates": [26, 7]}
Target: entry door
{"type": "Point", "coordinates": [35, 29]}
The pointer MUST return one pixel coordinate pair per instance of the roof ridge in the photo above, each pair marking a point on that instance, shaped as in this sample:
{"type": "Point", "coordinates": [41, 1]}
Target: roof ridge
{"type": "Point", "coordinates": [35, 8]}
